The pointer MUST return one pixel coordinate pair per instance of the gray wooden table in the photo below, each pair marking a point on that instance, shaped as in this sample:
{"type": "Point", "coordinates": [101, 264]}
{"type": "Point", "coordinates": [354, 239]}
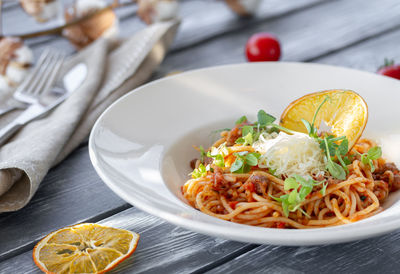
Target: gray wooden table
{"type": "Point", "coordinates": [351, 33]}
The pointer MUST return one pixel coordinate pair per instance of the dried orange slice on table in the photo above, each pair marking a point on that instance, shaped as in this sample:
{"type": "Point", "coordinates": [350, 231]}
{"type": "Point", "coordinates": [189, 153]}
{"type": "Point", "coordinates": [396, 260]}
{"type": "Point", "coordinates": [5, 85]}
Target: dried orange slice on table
{"type": "Point", "coordinates": [84, 248]}
{"type": "Point", "coordinates": [345, 113]}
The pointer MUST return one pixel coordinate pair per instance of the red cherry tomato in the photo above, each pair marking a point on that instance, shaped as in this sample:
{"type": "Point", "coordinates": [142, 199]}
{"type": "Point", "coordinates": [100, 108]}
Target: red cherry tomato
{"type": "Point", "coordinates": [390, 69]}
{"type": "Point", "coordinates": [263, 47]}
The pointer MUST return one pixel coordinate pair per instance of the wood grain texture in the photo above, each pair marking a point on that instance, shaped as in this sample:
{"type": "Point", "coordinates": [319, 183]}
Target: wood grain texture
{"type": "Point", "coordinates": [194, 27]}
{"type": "Point", "coordinates": [304, 35]}
{"type": "Point", "coordinates": [71, 193]}
{"type": "Point", "coordinates": [377, 255]}
{"type": "Point", "coordinates": [67, 189]}
{"type": "Point", "coordinates": [368, 55]}
{"type": "Point", "coordinates": [163, 248]}
{"type": "Point", "coordinates": [166, 248]}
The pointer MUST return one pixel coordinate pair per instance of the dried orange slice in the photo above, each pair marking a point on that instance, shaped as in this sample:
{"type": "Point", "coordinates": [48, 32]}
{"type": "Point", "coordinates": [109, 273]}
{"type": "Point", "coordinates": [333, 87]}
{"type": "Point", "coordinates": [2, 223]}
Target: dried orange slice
{"type": "Point", "coordinates": [345, 113]}
{"type": "Point", "coordinates": [84, 248]}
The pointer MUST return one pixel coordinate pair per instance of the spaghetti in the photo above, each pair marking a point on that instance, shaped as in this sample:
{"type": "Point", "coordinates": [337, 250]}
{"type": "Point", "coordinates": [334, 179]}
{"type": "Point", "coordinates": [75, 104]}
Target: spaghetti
{"type": "Point", "coordinates": [252, 196]}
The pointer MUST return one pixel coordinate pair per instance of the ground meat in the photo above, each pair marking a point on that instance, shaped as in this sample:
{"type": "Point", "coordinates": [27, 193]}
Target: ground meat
{"type": "Point", "coordinates": [332, 181]}
{"type": "Point", "coordinates": [207, 160]}
{"type": "Point", "coordinates": [193, 163]}
{"type": "Point", "coordinates": [380, 175]}
{"type": "Point", "coordinates": [396, 182]}
{"type": "Point", "coordinates": [389, 166]}
{"type": "Point", "coordinates": [259, 182]}
{"type": "Point", "coordinates": [219, 182]}
{"type": "Point", "coordinates": [235, 133]}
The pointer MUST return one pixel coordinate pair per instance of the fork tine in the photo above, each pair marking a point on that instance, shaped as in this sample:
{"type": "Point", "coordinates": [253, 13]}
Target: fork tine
{"type": "Point", "coordinates": [53, 76]}
{"type": "Point", "coordinates": [42, 76]}
{"type": "Point", "coordinates": [48, 75]}
{"type": "Point", "coordinates": [43, 57]}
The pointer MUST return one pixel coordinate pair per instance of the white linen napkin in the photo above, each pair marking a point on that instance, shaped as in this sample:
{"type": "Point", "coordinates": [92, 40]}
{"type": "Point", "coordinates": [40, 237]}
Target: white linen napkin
{"type": "Point", "coordinates": [27, 157]}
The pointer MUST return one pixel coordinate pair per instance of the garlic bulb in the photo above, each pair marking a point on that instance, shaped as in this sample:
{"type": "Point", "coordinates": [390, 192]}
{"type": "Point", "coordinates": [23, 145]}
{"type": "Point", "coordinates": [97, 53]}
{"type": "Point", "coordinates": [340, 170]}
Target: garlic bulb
{"type": "Point", "coordinates": [41, 10]}
{"type": "Point", "coordinates": [15, 61]}
{"type": "Point", "coordinates": [104, 24]}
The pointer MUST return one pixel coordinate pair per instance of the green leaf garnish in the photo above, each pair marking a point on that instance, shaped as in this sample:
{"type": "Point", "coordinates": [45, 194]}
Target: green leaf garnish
{"type": "Point", "coordinates": [218, 154]}
{"type": "Point", "coordinates": [300, 187]}
{"type": "Point", "coordinates": [323, 189]}
{"type": "Point", "coordinates": [290, 183]}
{"type": "Point", "coordinates": [220, 130]}
{"type": "Point", "coordinates": [346, 160]}
{"type": "Point", "coordinates": [237, 165]}
{"type": "Point", "coordinates": [199, 172]}
{"type": "Point", "coordinates": [336, 170]}
{"type": "Point", "coordinates": [264, 118]}
{"type": "Point", "coordinates": [373, 153]}
{"type": "Point", "coordinates": [330, 148]}
{"type": "Point", "coordinates": [341, 161]}
{"type": "Point", "coordinates": [241, 120]}
{"type": "Point", "coordinates": [309, 127]}
{"type": "Point", "coordinates": [247, 130]}
{"type": "Point", "coordinates": [252, 159]}
{"type": "Point", "coordinates": [244, 161]}
{"type": "Point", "coordinates": [202, 153]}
{"type": "Point", "coordinates": [343, 147]}
{"type": "Point", "coordinates": [272, 171]}
{"type": "Point", "coordinates": [246, 140]}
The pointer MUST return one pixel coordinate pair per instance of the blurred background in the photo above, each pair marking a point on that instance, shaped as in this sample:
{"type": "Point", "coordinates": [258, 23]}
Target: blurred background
{"type": "Point", "coordinates": [308, 30]}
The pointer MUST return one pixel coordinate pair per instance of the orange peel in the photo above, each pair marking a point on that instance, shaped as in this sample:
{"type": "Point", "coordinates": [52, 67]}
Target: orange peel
{"type": "Point", "coordinates": [346, 113]}
{"type": "Point", "coordinates": [84, 248]}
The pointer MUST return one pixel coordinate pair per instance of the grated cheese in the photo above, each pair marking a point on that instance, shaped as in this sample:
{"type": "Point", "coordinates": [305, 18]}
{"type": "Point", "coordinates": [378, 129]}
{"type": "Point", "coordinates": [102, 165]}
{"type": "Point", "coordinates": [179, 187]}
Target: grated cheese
{"type": "Point", "coordinates": [291, 154]}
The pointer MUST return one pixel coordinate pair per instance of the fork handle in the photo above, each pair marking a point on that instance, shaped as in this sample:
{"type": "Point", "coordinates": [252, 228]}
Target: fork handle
{"type": "Point", "coordinates": [8, 131]}
{"type": "Point", "coordinates": [7, 109]}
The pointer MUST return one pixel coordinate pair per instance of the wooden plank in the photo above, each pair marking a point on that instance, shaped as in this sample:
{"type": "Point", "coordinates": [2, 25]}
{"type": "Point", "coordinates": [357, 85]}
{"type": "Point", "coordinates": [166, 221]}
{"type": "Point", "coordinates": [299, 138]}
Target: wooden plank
{"type": "Point", "coordinates": [367, 255]}
{"type": "Point", "coordinates": [368, 55]}
{"type": "Point", "coordinates": [62, 189]}
{"type": "Point", "coordinates": [163, 248]}
{"type": "Point", "coordinates": [194, 28]}
{"type": "Point", "coordinates": [220, 19]}
{"type": "Point", "coordinates": [70, 193]}
{"type": "Point", "coordinates": [359, 256]}
{"type": "Point", "coordinates": [304, 35]}
{"type": "Point", "coordinates": [228, 54]}
{"type": "Point", "coordinates": [377, 255]}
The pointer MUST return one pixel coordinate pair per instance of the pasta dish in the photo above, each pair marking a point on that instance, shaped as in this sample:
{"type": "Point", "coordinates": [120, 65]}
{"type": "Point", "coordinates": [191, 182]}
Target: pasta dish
{"type": "Point", "coordinates": [265, 174]}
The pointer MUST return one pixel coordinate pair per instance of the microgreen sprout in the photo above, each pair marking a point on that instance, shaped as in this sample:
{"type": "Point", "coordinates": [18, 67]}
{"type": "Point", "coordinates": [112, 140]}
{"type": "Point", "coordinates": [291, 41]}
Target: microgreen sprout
{"type": "Point", "coordinates": [373, 153]}
{"type": "Point", "coordinates": [199, 172]}
{"type": "Point", "coordinates": [218, 154]}
{"type": "Point", "coordinates": [330, 147]}
{"type": "Point", "coordinates": [203, 154]}
{"type": "Point", "coordinates": [299, 188]}
{"type": "Point", "coordinates": [244, 161]}
{"type": "Point", "coordinates": [241, 120]}
{"type": "Point", "coordinates": [312, 130]}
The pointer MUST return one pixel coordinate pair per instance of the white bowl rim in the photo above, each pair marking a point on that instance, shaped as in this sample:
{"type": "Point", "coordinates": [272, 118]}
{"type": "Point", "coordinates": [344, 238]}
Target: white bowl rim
{"type": "Point", "coordinates": [286, 237]}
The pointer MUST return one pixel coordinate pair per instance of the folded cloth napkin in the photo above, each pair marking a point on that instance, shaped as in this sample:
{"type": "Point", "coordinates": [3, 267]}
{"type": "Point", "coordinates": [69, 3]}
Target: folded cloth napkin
{"type": "Point", "coordinates": [27, 157]}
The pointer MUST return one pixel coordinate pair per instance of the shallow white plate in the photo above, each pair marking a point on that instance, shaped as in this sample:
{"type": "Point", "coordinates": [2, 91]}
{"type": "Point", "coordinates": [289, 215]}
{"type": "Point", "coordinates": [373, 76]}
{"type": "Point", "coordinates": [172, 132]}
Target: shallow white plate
{"type": "Point", "coordinates": [142, 145]}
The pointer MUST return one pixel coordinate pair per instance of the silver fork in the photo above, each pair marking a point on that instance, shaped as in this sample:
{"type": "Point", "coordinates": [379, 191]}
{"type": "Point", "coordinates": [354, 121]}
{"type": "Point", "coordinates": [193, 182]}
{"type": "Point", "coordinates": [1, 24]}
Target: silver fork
{"type": "Point", "coordinates": [37, 82]}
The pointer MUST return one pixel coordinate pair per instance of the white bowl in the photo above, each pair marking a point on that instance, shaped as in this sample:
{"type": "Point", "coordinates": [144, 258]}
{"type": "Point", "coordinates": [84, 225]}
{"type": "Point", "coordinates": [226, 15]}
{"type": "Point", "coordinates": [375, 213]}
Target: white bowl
{"type": "Point", "coordinates": [142, 144]}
